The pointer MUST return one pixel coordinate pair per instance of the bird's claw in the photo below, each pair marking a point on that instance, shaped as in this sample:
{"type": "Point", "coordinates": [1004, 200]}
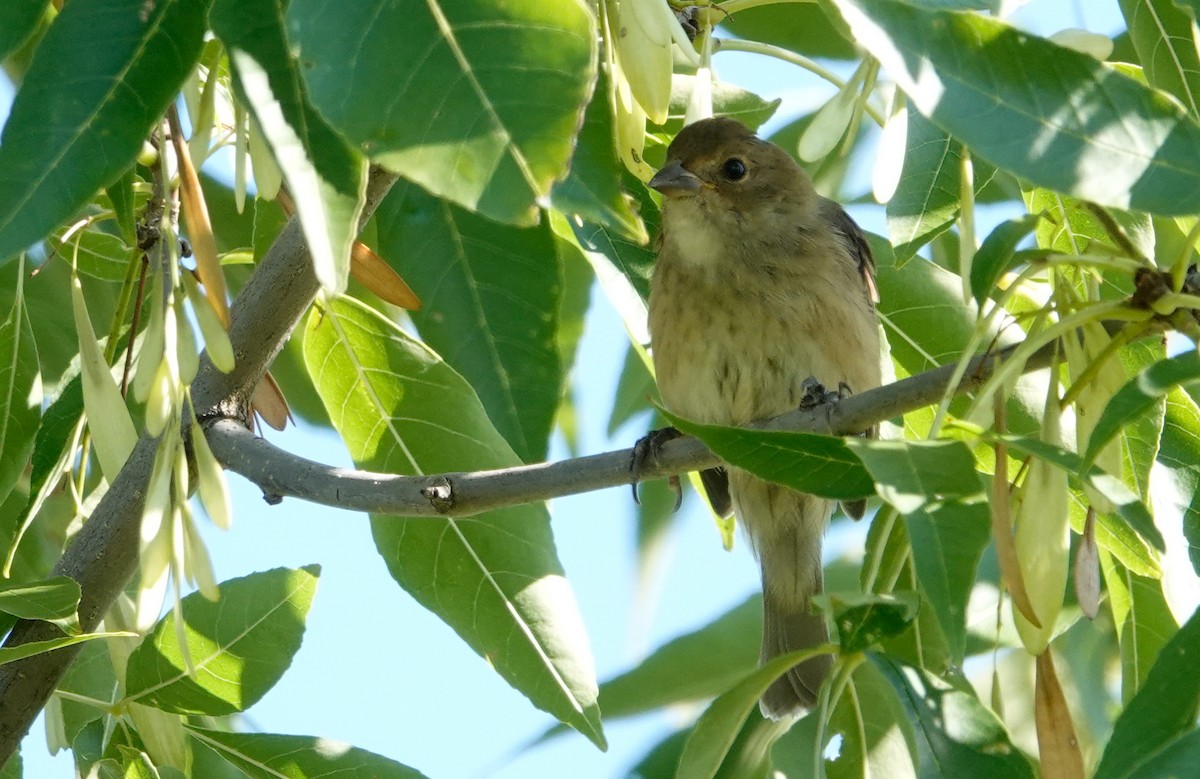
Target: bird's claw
{"type": "Point", "coordinates": [816, 395]}
{"type": "Point", "coordinates": [645, 451]}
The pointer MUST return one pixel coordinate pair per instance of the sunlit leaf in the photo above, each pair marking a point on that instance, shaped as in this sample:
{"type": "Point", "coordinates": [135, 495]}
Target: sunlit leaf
{"type": "Point", "coordinates": [495, 578]}
{"type": "Point", "coordinates": [485, 115]}
{"type": "Point", "coordinates": [325, 179]}
{"type": "Point", "coordinates": [239, 645]}
{"type": "Point", "coordinates": [1054, 116]}
{"type": "Point", "coordinates": [270, 756]}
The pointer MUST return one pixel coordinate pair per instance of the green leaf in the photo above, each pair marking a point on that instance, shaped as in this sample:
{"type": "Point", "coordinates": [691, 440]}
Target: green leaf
{"type": "Point", "coordinates": [10, 654]}
{"type": "Point", "coordinates": [1143, 620]}
{"type": "Point", "coordinates": [722, 721]}
{"type": "Point", "coordinates": [20, 390]}
{"type": "Point", "coordinates": [1176, 758]}
{"type": "Point", "coordinates": [54, 599]}
{"type": "Point", "coordinates": [864, 620]}
{"type": "Point", "coordinates": [69, 136]}
{"type": "Point", "coordinates": [1051, 115]}
{"type": "Point", "coordinates": [935, 485]}
{"type": "Point", "coordinates": [634, 260]}
{"type": "Point", "coordinates": [910, 474]}
{"type": "Point", "coordinates": [803, 28]}
{"type": "Point", "coordinates": [270, 756]}
{"type": "Point", "coordinates": [636, 391]}
{"type": "Point", "coordinates": [239, 645]}
{"type": "Point", "coordinates": [121, 195]}
{"type": "Point", "coordinates": [995, 254]}
{"type": "Point", "coordinates": [99, 254]}
{"type": "Point", "coordinates": [477, 102]}
{"type": "Point", "coordinates": [1179, 458]}
{"type": "Point", "coordinates": [1129, 506]}
{"type": "Point", "coordinates": [809, 462]}
{"type": "Point", "coordinates": [1162, 35]}
{"type": "Point", "coordinates": [692, 667]}
{"type": "Point", "coordinates": [926, 201]}
{"type": "Point", "coordinates": [1162, 710]}
{"type": "Point", "coordinates": [326, 179]}
{"type": "Point", "coordinates": [490, 296]}
{"type": "Point", "coordinates": [495, 578]}
{"type": "Point", "coordinates": [877, 738]}
{"type": "Point", "coordinates": [18, 20]}
{"type": "Point", "coordinates": [1070, 226]}
{"type": "Point", "coordinates": [592, 190]}
{"type": "Point", "coordinates": [1140, 395]}
{"type": "Point", "coordinates": [955, 734]}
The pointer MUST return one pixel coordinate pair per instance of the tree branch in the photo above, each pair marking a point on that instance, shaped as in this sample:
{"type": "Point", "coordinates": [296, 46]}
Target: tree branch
{"type": "Point", "coordinates": [280, 473]}
{"type": "Point", "coordinates": [103, 555]}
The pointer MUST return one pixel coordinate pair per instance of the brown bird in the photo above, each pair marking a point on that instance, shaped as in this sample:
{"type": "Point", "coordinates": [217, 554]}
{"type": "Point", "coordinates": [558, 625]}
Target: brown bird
{"type": "Point", "coordinates": [760, 286]}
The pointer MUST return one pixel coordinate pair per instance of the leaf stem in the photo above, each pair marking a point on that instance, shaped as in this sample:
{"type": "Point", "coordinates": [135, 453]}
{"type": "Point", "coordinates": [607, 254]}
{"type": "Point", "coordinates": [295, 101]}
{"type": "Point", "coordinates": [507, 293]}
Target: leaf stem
{"type": "Point", "coordinates": [799, 60]}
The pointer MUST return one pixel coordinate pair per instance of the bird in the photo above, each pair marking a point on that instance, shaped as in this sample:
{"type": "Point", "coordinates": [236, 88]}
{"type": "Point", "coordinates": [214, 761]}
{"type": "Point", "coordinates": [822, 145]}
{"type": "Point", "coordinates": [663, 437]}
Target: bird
{"type": "Point", "coordinates": [760, 287]}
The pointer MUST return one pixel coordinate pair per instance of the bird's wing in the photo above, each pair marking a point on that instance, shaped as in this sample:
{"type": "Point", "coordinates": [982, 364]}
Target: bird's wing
{"type": "Point", "coordinates": [856, 243]}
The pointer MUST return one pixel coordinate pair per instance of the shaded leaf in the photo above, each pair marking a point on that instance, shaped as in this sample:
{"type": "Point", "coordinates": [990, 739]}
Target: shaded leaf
{"type": "Point", "coordinates": [18, 20]}
{"type": "Point", "coordinates": [20, 390]}
{"type": "Point", "coordinates": [1179, 458]}
{"type": "Point", "coordinates": [809, 462]}
{"type": "Point", "coordinates": [955, 734]}
{"type": "Point", "coordinates": [926, 201]}
{"type": "Point", "coordinates": [722, 721]}
{"type": "Point", "coordinates": [68, 136]}
{"type": "Point", "coordinates": [592, 189]}
{"type": "Point", "coordinates": [865, 620]}
{"type": "Point", "coordinates": [1143, 620]}
{"type": "Point", "coordinates": [53, 599]}
{"type": "Point", "coordinates": [1162, 710]}
{"type": "Point", "coordinates": [995, 254]}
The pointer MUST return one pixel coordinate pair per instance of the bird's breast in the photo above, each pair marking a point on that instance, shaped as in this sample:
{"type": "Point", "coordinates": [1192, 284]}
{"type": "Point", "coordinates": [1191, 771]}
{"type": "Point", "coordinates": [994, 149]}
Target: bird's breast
{"type": "Point", "coordinates": [736, 346]}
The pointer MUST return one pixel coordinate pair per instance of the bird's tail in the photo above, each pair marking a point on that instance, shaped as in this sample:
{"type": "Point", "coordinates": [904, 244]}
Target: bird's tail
{"type": "Point", "coordinates": [788, 626]}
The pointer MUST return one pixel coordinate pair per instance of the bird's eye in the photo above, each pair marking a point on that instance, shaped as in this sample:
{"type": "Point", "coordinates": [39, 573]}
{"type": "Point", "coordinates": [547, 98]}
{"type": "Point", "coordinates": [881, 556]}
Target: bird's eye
{"type": "Point", "coordinates": [734, 169]}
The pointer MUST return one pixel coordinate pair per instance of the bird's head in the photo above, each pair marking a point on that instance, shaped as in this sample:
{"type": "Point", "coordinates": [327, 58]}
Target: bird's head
{"type": "Point", "coordinates": [720, 172]}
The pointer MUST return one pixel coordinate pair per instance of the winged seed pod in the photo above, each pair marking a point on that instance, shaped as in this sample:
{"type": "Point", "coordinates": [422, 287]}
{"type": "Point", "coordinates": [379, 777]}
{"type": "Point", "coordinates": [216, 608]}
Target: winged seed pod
{"type": "Point", "coordinates": [889, 159]}
{"type": "Point", "coordinates": [197, 565]}
{"type": "Point", "coordinates": [154, 548]}
{"type": "Point", "coordinates": [1042, 536]}
{"type": "Point", "coordinates": [213, 489]}
{"type": "Point", "coordinates": [113, 433]}
{"type": "Point", "coordinates": [644, 48]}
{"type": "Point", "coordinates": [164, 396]}
{"type": "Point", "coordinates": [187, 354]}
{"type": "Point", "coordinates": [150, 355]}
{"type": "Point", "coordinates": [216, 339]}
{"type": "Point", "coordinates": [1091, 402]}
{"type": "Point", "coordinates": [828, 127]}
{"type": "Point", "coordinates": [267, 175]}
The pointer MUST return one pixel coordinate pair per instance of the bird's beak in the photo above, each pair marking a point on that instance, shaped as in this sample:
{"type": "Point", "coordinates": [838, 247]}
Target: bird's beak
{"type": "Point", "coordinates": [674, 179]}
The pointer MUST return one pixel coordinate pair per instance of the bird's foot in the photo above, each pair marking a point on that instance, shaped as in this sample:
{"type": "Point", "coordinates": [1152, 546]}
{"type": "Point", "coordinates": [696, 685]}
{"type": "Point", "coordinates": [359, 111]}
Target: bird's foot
{"type": "Point", "coordinates": [646, 451]}
{"type": "Point", "coordinates": [816, 395]}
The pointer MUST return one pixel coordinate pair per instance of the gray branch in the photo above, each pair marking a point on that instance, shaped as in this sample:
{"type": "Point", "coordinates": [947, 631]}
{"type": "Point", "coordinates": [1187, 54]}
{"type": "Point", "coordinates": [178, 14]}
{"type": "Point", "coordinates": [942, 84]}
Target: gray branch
{"type": "Point", "coordinates": [103, 556]}
{"type": "Point", "coordinates": [280, 473]}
